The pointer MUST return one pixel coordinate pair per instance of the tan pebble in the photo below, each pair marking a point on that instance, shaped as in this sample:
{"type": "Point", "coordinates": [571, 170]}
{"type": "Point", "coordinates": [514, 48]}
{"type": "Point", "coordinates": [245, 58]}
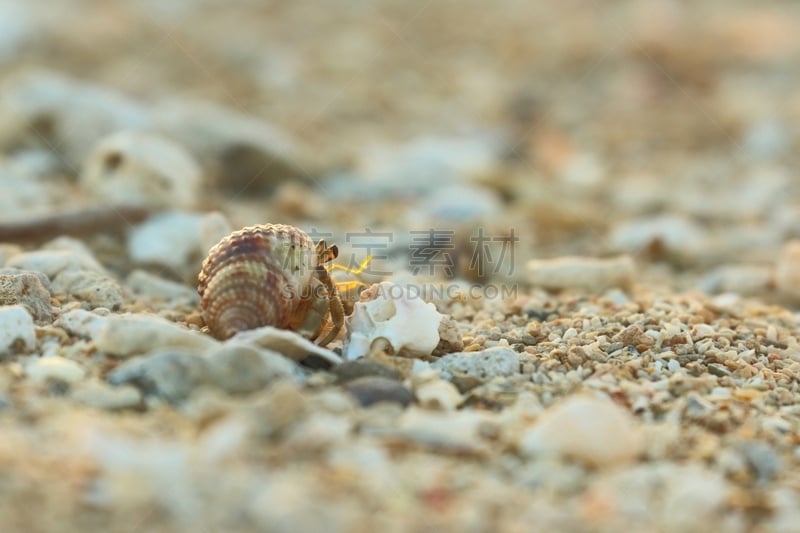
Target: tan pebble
{"type": "Point", "coordinates": [449, 337]}
{"type": "Point", "coordinates": [28, 290]}
{"type": "Point", "coordinates": [787, 271]}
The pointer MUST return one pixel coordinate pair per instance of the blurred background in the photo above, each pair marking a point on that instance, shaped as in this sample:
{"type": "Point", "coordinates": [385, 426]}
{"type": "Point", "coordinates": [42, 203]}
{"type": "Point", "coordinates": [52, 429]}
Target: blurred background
{"type": "Point", "coordinates": [662, 129]}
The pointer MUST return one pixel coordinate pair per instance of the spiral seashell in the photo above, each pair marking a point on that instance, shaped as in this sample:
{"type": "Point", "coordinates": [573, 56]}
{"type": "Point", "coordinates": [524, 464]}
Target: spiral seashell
{"type": "Point", "coordinates": [255, 277]}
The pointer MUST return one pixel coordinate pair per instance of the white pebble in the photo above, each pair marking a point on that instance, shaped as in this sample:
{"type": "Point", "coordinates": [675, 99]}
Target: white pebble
{"type": "Point", "coordinates": [703, 331]}
{"type": "Point", "coordinates": [142, 168]}
{"type": "Point", "coordinates": [438, 394]}
{"type": "Point", "coordinates": [287, 343]}
{"type": "Point", "coordinates": [590, 429]}
{"type": "Point", "coordinates": [81, 323]}
{"type": "Point", "coordinates": [94, 288]}
{"type": "Point", "coordinates": [486, 364]}
{"type": "Point", "coordinates": [587, 273]}
{"type": "Point", "coordinates": [674, 232]}
{"type": "Point", "coordinates": [17, 333]}
{"type": "Point", "coordinates": [154, 287]}
{"type": "Point", "coordinates": [457, 430]}
{"type": "Point", "coordinates": [59, 368]}
{"type": "Point", "coordinates": [103, 396]}
{"type": "Point", "coordinates": [673, 365]}
{"type": "Point", "coordinates": [169, 239]}
{"type": "Point", "coordinates": [127, 335]}
{"type": "Point", "coordinates": [52, 262]}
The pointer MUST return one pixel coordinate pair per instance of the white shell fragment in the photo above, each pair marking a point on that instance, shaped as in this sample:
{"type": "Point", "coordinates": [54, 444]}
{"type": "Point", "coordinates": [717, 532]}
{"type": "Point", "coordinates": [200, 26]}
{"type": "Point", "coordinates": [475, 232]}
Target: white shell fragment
{"type": "Point", "coordinates": [287, 343]}
{"type": "Point", "coordinates": [142, 168]}
{"type": "Point", "coordinates": [403, 319]}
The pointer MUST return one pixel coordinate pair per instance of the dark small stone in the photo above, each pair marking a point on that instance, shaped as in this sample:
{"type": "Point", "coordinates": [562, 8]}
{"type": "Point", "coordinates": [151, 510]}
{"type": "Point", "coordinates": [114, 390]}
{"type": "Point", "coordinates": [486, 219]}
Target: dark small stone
{"type": "Point", "coordinates": [370, 390]}
{"type": "Point", "coordinates": [57, 387]}
{"type": "Point", "coordinates": [538, 315]}
{"type": "Point", "coordinates": [465, 383]}
{"type": "Point", "coordinates": [718, 370]}
{"type": "Point", "coordinates": [350, 370]}
{"type": "Point", "coordinates": [315, 362]}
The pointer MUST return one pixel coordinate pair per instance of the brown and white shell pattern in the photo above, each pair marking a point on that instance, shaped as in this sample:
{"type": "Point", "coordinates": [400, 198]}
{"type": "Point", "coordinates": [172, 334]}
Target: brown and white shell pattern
{"type": "Point", "coordinates": [254, 277]}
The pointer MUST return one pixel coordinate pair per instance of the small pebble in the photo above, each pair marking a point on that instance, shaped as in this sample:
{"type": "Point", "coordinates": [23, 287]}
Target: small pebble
{"type": "Point", "coordinates": [458, 431]}
{"type": "Point", "coordinates": [82, 323]}
{"type": "Point", "coordinates": [369, 390]}
{"type": "Point", "coordinates": [587, 273]}
{"type": "Point", "coordinates": [17, 332]}
{"type": "Point", "coordinates": [52, 262]}
{"type": "Point", "coordinates": [126, 335]}
{"type": "Point", "coordinates": [43, 369]}
{"type": "Point", "coordinates": [590, 429]}
{"type": "Point", "coordinates": [170, 239]}
{"type": "Point", "coordinates": [787, 271]}
{"type": "Point", "coordinates": [438, 394]}
{"type": "Point", "coordinates": [350, 370]}
{"type": "Point", "coordinates": [170, 375]}
{"type": "Point", "coordinates": [102, 396]}
{"type": "Point", "coordinates": [718, 370]}
{"type": "Point", "coordinates": [673, 232]}
{"type": "Point", "coordinates": [93, 288]}
{"type": "Point", "coordinates": [485, 364]}
{"type": "Point", "coordinates": [242, 369]}
{"type": "Point", "coordinates": [141, 168]}
{"type": "Point", "coordinates": [29, 290]}
{"type": "Point", "coordinates": [157, 288]}
{"type": "Point", "coordinates": [288, 344]}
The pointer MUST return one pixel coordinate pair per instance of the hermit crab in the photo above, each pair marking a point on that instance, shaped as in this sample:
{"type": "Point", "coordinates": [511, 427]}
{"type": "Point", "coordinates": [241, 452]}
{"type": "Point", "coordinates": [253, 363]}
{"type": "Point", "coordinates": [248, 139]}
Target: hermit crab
{"type": "Point", "coordinates": [270, 275]}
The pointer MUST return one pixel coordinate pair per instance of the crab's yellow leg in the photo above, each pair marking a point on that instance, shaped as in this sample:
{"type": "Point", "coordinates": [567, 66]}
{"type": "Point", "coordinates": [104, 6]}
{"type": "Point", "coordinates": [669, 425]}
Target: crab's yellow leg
{"type": "Point", "coordinates": [362, 266]}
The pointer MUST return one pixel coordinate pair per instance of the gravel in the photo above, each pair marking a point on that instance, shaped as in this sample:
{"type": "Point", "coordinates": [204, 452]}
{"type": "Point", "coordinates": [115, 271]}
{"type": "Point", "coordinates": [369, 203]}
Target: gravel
{"type": "Point", "coordinates": [629, 362]}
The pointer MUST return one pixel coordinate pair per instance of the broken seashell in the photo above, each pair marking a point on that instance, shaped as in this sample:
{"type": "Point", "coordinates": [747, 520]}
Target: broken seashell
{"type": "Point", "coordinates": [393, 317]}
